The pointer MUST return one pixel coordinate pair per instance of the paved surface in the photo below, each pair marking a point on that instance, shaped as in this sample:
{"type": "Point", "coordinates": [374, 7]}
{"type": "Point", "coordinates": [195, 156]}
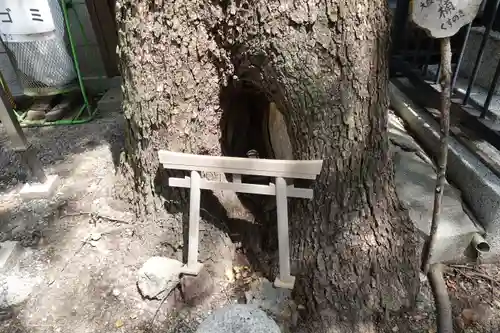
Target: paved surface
{"type": "Point", "coordinates": [479, 186]}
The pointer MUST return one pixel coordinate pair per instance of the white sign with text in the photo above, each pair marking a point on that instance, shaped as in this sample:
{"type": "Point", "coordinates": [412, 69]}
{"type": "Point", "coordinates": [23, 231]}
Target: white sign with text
{"type": "Point", "coordinates": [443, 18]}
{"type": "Point", "coordinates": [24, 20]}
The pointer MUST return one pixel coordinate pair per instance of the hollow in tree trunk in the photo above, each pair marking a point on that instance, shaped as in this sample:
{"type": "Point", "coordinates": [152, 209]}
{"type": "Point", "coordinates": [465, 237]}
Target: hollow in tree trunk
{"type": "Point", "coordinates": [324, 65]}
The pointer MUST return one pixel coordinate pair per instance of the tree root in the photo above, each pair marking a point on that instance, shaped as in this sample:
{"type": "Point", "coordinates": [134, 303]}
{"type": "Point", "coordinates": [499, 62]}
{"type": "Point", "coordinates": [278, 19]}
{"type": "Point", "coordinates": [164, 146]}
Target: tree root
{"type": "Point", "coordinates": [441, 298]}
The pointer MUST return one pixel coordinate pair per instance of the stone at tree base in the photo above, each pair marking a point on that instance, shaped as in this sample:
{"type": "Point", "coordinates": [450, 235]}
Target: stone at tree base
{"type": "Point", "coordinates": [195, 289]}
{"type": "Point", "coordinates": [238, 318]}
{"type": "Point", "coordinates": [263, 294]}
{"type": "Point", "coordinates": [158, 277]}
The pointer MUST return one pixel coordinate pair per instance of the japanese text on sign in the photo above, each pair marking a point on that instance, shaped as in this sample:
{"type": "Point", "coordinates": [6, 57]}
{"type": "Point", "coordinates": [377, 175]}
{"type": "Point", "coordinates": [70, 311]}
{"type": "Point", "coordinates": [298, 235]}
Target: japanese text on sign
{"type": "Point", "coordinates": [21, 18]}
{"type": "Point", "coordinates": [443, 18]}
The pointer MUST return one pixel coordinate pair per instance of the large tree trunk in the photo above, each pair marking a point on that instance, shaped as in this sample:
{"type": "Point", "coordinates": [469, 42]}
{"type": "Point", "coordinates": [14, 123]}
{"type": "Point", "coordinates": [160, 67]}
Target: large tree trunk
{"type": "Point", "coordinates": [324, 64]}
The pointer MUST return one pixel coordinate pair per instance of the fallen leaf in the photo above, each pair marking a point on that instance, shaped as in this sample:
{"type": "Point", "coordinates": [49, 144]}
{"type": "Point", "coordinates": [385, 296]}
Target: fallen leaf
{"type": "Point", "coordinates": [119, 323]}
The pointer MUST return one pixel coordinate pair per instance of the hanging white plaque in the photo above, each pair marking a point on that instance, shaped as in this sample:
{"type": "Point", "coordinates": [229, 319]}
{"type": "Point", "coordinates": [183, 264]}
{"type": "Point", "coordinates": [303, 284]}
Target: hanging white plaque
{"type": "Point", "coordinates": [24, 20]}
{"type": "Point", "coordinates": [443, 18]}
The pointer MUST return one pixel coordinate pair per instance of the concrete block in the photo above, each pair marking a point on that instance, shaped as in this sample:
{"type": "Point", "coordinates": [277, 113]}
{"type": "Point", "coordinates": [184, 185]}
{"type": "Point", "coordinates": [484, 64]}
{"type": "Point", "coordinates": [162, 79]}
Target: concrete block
{"type": "Point", "coordinates": [479, 186]}
{"type": "Point", "coordinates": [415, 182]}
{"type": "Point", "coordinates": [96, 85]}
{"type": "Point", "coordinates": [40, 190]}
{"type": "Point", "coordinates": [10, 252]}
{"type": "Point", "coordinates": [111, 100]}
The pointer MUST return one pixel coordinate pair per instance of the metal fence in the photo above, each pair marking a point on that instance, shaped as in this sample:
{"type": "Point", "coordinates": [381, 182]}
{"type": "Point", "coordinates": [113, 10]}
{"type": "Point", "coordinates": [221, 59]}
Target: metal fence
{"type": "Point", "coordinates": [475, 59]}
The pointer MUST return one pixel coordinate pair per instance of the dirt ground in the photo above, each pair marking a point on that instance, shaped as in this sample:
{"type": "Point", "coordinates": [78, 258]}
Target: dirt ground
{"type": "Point", "coordinates": [77, 271]}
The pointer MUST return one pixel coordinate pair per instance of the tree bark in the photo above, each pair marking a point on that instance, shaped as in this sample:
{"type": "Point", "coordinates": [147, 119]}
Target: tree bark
{"type": "Point", "coordinates": [324, 65]}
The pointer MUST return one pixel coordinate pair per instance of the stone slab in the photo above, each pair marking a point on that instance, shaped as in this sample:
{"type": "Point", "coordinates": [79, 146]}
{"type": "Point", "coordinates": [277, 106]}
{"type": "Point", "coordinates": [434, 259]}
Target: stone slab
{"type": "Point", "coordinates": [415, 177]}
{"type": "Point", "coordinates": [111, 100]}
{"type": "Point", "coordinates": [40, 190]}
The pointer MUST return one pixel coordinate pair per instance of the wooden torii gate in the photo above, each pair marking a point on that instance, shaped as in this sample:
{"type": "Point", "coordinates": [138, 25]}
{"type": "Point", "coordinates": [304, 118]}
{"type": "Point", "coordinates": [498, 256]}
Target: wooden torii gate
{"type": "Point", "coordinates": [279, 169]}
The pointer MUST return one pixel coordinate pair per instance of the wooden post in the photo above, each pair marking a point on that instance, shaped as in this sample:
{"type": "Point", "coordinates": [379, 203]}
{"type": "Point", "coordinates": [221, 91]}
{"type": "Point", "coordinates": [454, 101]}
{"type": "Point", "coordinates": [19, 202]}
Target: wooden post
{"type": "Point", "coordinates": [193, 266]}
{"type": "Point", "coordinates": [285, 279]}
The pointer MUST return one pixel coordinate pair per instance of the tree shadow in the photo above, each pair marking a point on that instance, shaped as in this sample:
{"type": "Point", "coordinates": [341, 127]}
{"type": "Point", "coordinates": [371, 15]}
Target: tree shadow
{"type": "Point", "coordinates": [241, 231]}
{"type": "Point", "coordinates": [61, 151]}
{"type": "Point", "coordinates": [56, 146]}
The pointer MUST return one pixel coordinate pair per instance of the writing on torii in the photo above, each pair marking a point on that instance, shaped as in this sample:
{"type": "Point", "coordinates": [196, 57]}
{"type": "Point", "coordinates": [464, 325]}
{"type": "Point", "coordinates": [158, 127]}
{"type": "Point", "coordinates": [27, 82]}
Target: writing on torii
{"type": "Point", "coordinates": [25, 20]}
{"type": "Point", "coordinates": [443, 18]}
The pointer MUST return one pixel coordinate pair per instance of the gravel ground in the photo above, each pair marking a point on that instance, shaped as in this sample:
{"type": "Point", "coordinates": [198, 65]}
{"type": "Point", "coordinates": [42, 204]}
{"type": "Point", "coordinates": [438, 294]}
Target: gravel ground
{"type": "Point", "coordinates": [79, 269]}
{"type": "Point", "coordinates": [78, 284]}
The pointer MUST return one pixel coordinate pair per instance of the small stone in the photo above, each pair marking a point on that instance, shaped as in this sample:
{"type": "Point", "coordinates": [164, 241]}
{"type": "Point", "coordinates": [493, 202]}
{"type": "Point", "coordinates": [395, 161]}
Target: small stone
{"type": "Point", "coordinates": [116, 292]}
{"type": "Point", "coordinates": [158, 277]}
{"type": "Point", "coordinates": [395, 329]}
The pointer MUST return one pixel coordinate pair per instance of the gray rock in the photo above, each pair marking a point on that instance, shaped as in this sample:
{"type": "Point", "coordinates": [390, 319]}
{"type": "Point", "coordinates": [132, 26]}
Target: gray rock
{"type": "Point", "coordinates": [158, 277]}
{"type": "Point", "coordinates": [263, 294]}
{"type": "Point", "coordinates": [196, 289]}
{"type": "Point", "coordinates": [238, 318]}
